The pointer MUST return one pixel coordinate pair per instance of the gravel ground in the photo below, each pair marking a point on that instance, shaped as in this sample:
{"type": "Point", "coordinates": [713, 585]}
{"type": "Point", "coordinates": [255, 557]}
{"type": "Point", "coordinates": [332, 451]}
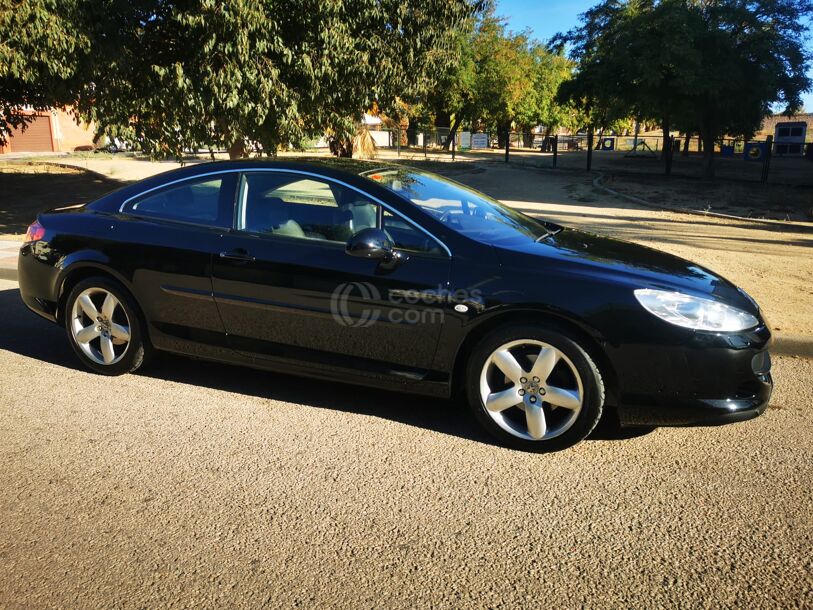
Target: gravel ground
{"type": "Point", "coordinates": [196, 484]}
{"type": "Point", "coordinates": [200, 485]}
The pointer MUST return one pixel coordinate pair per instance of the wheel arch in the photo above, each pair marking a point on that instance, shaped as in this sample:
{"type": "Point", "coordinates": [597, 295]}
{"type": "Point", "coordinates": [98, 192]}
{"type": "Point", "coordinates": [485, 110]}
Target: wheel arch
{"type": "Point", "coordinates": [513, 316]}
{"type": "Point", "coordinates": [79, 271]}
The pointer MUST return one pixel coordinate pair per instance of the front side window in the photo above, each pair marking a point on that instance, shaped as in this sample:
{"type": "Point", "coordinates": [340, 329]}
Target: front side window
{"type": "Point", "coordinates": [276, 203]}
{"type": "Point", "coordinates": [405, 236]}
{"type": "Point", "coordinates": [460, 208]}
{"type": "Point", "coordinates": [204, 200]}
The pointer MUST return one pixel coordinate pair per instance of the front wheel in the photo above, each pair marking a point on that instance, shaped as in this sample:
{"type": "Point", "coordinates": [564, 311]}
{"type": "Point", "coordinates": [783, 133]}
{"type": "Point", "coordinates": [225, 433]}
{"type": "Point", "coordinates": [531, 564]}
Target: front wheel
{"type": "Point", "coordinates": [104, 327]}
{"type": "Point", "coordinates": [534, 388]}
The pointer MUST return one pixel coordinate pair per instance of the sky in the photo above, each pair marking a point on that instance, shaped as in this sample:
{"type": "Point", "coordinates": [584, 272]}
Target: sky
{"type": "Point", "coordinates": [547, 17]}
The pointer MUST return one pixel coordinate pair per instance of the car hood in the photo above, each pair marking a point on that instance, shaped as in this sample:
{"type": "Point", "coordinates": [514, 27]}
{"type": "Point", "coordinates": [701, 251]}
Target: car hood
{"type": "Point", "coordinates": [614, 260]}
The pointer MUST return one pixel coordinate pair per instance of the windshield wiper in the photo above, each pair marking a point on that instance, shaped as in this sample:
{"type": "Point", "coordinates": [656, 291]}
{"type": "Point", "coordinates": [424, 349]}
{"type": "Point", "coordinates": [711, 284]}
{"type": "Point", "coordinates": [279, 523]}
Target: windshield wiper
{"type": "Point", "coordinates": [549, 233]}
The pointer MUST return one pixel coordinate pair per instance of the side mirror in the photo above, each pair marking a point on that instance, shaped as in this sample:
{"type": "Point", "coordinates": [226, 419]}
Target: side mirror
{"type": "Point", "coordinates": [374, 243]}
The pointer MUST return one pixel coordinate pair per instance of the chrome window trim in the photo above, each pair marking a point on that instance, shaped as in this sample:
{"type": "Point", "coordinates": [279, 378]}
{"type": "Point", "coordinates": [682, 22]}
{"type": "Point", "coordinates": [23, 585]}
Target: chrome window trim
{"type": "Point", "coordinates": [286, 171]}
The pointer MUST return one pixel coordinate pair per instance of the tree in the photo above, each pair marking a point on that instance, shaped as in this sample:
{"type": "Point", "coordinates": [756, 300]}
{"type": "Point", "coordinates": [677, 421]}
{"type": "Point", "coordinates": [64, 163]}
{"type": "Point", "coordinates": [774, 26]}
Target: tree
{"type": "Point", "coordinates": [754, 56]}
{"type": "Point", "coordinates": [596, 88]}
{"type": "Point", "coordinates": [539, 106]}
{"type": "Point", "coordinates": [454, 91]}
{"type": "Point", "coordinates": [716, 65]}
{"type": "Point", "coordinates": [202, 73]}
{"type": "Point", "coordinates": [499, 78]}
{"type": "Point", "coordinates": [43, 57]}
{"type": "Point", "coordinates": [504, 79]}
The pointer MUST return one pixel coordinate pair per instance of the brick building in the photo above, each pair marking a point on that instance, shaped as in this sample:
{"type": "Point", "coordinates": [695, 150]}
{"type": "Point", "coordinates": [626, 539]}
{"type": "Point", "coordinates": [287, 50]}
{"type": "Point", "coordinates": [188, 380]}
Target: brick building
{"type": "Point", "coordinates": [50, 131]}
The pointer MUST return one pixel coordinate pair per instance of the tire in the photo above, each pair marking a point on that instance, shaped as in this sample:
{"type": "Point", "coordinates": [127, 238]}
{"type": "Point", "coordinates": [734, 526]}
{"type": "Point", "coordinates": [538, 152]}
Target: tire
{"type": "Point", "coordinates": [120, 356]}
{"type": "Point", "coordinates": [572, 377]}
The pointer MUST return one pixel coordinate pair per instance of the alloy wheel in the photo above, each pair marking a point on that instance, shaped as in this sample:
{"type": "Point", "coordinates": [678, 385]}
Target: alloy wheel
{"type": "Point", "coordinates": [531, 389]}
{"type": "Point", "coordinates": [100, 326]}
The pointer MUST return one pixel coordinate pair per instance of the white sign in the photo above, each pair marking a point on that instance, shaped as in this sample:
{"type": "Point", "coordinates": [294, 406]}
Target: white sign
{"type": "Point", "coordinates": [382, 138]}
{"type": "Point", "coordinates": [479, 140]}
{"type": "Point", "coordinates": [465, 139]}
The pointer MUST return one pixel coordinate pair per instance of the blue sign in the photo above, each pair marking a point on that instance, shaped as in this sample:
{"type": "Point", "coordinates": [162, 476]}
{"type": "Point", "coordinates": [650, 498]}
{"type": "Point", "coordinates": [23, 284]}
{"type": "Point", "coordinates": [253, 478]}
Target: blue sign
{"type": "Point", "coordinates": [755, 151]}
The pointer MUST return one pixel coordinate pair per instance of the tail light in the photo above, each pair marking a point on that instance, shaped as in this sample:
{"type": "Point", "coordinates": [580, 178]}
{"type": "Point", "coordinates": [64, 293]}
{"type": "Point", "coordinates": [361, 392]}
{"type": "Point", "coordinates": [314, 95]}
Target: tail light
{"type": "Point", "coordinates": [35, 232]}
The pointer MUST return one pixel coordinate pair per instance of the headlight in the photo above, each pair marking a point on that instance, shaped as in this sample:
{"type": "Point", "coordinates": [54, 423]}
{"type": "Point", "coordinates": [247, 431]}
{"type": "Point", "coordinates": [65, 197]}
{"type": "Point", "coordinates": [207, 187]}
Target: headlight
{"type": "Point", "coordinates": [694, 312]}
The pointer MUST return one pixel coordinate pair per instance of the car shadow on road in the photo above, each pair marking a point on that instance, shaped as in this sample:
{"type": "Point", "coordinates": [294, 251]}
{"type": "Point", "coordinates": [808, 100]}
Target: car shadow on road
{"type": "Point", "coordinates": [24, 333]}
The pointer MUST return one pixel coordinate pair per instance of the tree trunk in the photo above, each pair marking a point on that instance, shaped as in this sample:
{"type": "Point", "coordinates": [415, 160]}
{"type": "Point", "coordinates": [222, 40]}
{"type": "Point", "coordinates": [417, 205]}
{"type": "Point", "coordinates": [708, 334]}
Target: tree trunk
{"type": "Point", "coordinates": [237, 149]}
{"type": "Point", "coordinates": [452, 131]}
{"type": "Point", "coordinates": [597, 145]}
{"type": "Point", "coordinates": [708, 153]}
{"type": "Point", "coordinates": [340, 147]}
{"type": "Point", "coordinates": [685, 152]}
{"type": "Point", "coordinates": [546, 139]}
{"type": "Point", "coordinates": [503, 134]}
{"type": "Point", "coordinates": [699, 142]}
{"type": "Point", "coordinates": [666, 131]}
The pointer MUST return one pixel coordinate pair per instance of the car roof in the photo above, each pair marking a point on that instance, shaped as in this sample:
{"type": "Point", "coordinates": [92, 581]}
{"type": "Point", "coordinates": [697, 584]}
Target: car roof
{"type": "Point", "coordinates": [350, 170]}
{"type": "Point", "coordinates": [348, 166]}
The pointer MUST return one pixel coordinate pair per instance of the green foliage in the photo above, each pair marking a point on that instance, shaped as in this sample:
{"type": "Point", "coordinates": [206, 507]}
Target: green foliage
{"type": "Point", "coordinates": [503, 71]}
{"type": "Point", "coordinates": [42, 58]}
{"type": "Point", "coordinates": [539, 105]}
{"type": "Point", "coordinates": [499, 77]}
{"type": "Point", "coordinates": [713, 65]}
{"type": "Point", "coordinates": [205, 73]}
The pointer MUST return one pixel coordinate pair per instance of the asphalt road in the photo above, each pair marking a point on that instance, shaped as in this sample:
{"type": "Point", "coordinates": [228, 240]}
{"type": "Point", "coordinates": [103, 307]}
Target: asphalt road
{"type": "Point", "coordinates": [196, 484]}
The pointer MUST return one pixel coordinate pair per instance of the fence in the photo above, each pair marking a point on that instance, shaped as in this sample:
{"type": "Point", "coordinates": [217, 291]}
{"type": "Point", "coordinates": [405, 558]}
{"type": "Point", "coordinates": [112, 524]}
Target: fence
{"type": "Point", "coordinates": [560, 150]}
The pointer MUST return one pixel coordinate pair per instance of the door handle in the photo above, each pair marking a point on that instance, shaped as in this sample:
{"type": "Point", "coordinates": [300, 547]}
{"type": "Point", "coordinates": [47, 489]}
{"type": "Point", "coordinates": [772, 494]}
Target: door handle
{"type": "Point", "coordinates": [239, 255]}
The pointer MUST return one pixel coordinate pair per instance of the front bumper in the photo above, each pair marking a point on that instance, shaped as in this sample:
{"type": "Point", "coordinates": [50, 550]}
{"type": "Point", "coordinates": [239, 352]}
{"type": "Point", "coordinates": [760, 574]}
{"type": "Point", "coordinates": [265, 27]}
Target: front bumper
{"type": "Point", "coordinates": [712, 379]}
{"type": "Point", "coordinates": [699, 412]}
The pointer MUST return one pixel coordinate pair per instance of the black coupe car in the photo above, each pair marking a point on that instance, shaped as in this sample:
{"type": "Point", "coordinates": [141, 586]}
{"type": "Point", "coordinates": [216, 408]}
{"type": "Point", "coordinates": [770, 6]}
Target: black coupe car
{"type": "Point", "coordinates": [397, 278]}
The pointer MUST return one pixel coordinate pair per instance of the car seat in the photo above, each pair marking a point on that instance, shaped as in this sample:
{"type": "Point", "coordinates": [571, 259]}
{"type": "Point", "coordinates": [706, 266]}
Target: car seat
{"type": "Point", "coordinates": [362, 215]}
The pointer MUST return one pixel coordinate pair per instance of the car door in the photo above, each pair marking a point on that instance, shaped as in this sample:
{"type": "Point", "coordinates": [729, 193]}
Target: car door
{"type": "Point", "coordinates": [286, 288]}
{"type": "Point", "coordinates": [169, 236]}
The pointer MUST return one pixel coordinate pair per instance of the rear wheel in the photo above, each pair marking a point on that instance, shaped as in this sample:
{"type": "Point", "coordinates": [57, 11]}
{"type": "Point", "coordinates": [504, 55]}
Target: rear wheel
{"type": "Point", "coordinates": [104, 327]}
{"type": "Point", "coordinates": [534, 388]}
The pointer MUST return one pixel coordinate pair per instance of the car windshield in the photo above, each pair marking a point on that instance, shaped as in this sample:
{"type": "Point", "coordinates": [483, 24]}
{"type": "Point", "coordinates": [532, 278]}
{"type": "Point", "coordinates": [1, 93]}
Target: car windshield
{"type": "Point", "coordinates": [461, 208]}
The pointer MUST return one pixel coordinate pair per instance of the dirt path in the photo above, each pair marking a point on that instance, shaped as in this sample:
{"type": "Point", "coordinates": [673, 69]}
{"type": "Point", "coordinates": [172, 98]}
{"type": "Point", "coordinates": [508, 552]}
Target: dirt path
{"type": "Point", "coordinates": [195, 484]}
{"type": "Point", "coordinates": [199, 485]}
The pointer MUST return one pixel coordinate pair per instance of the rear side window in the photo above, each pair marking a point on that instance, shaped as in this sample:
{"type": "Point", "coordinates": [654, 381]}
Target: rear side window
{"type": "Point", "coordinates": [205, 201]}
